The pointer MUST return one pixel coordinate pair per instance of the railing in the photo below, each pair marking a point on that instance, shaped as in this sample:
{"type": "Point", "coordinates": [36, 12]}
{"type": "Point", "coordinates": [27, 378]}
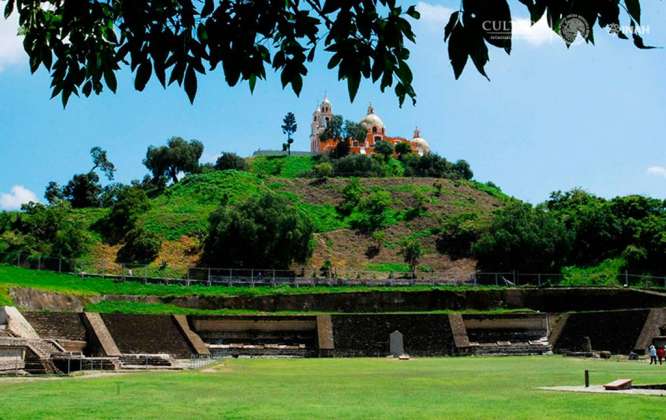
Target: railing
{"type": "Point", "coordinates": [199, 362]}
{"type": "Point", "coordinates": [214, 276]}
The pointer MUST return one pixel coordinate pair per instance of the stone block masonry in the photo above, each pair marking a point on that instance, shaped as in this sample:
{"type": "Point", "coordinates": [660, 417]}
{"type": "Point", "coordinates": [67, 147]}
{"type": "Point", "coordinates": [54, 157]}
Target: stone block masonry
{"type": "Point", "coordinates": [325, 335]}
{"type": "Point", "coordinates": [193, 338]}
{"type": "Point", "coordinates": [58, 325]}
{"type": "Point", "coordinates": [100, 335]}
{"type": "Point", "coordinates": [368, 335]}
{"type": "Point", "coordinates": [614, 331]}
{"type": "Point", "coordinates": [151, 334]}
{"type": "Point", "coordinates": [16, 324]}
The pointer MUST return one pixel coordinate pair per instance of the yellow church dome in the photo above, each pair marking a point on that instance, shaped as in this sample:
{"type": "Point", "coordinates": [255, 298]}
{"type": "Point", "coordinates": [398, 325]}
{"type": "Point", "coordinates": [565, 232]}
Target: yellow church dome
{"type": "Point", "coordinates": [421, 144]}
{"type": "Point", "coordinates": [372, 120]}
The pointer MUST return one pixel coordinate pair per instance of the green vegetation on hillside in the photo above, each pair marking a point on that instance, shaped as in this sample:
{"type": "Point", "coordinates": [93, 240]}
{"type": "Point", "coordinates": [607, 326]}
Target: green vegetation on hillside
{"type": "Point", "coordinates": [577, 229]}
{"type": "Point", "coordinates": [361, 388]}
{"type": "Point", "coordinates": [281, 166]}
{"type": "Point", "coordinates": [92, 286]}
{"type": "Point", "coordinates": [606, 273]}
{"type": "Point", "coordinates": [166, 226]}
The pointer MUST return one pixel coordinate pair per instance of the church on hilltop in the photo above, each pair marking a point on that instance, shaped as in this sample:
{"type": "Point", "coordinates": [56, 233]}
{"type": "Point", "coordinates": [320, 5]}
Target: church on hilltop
{"type": "Point", "coordinates": [376, 131]}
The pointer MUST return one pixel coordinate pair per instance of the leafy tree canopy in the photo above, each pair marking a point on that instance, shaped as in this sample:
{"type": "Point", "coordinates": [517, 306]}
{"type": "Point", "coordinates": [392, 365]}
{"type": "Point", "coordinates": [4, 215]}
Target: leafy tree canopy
{"type": "Point", "coordinates": [125, 211]}
{"type": "Point", "coordinates": [45, 230]}
{"type": "Point", "coordinates": [140, 247]}
{"type": "Point", "coordinates": [83, 44]}
{"type": "Point", "coordinates": [385, 149]}
{"type": "Point", "coordinates": [177, 156]}
{"type": "Point", "coordinates": [83, 190]}
{"type": "Point", "coordinates": [230, 160]}
{"type": "Point", "coordinates": [102, 162]}
{"type": "Point", "coordinates": [262, 232]}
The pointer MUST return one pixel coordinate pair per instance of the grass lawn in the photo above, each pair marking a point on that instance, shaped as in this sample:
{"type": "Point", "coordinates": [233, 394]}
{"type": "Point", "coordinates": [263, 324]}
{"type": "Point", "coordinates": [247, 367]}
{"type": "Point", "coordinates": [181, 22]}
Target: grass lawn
{"type": "Point", "coordinates": [501, 387]}
{"type": "Point", "coordinates": [71, 284]}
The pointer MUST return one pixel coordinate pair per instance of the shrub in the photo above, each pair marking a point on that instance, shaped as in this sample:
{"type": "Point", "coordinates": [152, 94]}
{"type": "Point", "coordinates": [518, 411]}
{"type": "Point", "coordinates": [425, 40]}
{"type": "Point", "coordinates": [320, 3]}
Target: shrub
{"type": "Point", "coordinates": [458, 234]}
{"type": "Point", "coordinates": [323, 170]}
{"type": "Point", "coordinates": [262, 232]}
{"type": "Point", "coordinates": [420, 205]}
{"type": "Point", "coordinates": [373, 211]}
{"type": "Point", "coordinates": [524, 238]}
{"type": "Point", "coordinates": [607, 273]}
{"type": "Point", "coordinates": [357, 165]}
{"type": "Point", "coordinates": [230, 160]}
{"type": "Point", "coordinates": [124, 213]}
{"type": "Point", "coordinates": [403, 149]}
{"type": "Point", "coordinates": [140, 247]}
{"type": "Point", "coordinates": [83, 190]}
{"type": "Point", "coordinates": [385, 149]}
{"type": "Point", "coordinates": [411, 252]}
{"type": "Point", "coordinates": [351, 197]}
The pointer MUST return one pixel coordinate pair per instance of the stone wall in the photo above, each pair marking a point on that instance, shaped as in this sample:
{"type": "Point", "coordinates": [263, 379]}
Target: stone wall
{"type": "Point", "coordinates": [368, 335]}
{"type": "Point", "coordinates": [147, 334]}
{"type": "Point", "coordinates": [543, 300]}
{"type": "Point", "coordinates": [253, 329]}
{"type": "Point", "coordinates": [615, 331]}
{"type": "Point", "coordinates": [12, 358]}
{"type": "Point", "coordinates": [506, 327]}
{"type": "Point", "coordinates": [57, 325]}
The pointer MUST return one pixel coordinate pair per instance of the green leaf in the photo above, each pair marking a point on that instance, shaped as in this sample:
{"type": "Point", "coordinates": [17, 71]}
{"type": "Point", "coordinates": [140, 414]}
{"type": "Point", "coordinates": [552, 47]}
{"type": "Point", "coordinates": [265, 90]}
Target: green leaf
{"type": "Point", "coordinates": [297, 84]}
{"type": "Point", "coordinates": [9, 8]}
{"type": "Point", "coordinates": [478, 49]}
{"type": "Point", "coordinates": [190, 83]}
{"type": "Point", "coordinates": [638, 42]}
{"type": "Point", "coordinates": [87, 88]}
{"type": "Point", "coordinates": [458, 52]}
{"type": "Point", "coordinates": [207, 9]}
{"type": "Point", "coordinates": [634, 9]}
{"type": "Point", "coordinates": [413, 13]}
{"type": "Point", "coordinates": [453, 21]}
{"type": "Point", "coordinates": [110, 79]}
{"type": "Point", "coordinates": [353, 82]}
{"type": "Point", "coordinates": [143, 75]}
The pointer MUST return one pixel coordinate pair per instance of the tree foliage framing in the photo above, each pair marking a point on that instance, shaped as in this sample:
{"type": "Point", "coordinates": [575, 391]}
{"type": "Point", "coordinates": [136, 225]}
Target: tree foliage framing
{"type": "Point", "coordinates": [84, 43]}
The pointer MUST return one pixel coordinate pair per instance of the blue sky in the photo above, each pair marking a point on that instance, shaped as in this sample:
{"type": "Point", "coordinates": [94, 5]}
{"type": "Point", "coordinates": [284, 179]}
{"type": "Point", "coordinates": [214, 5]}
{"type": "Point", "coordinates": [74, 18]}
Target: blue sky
{"type": "Point", "coordinates": [550, 119]}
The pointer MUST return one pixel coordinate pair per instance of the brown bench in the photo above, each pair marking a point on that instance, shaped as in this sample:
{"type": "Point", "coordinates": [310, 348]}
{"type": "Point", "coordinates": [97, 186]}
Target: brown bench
{"type": "Point", "coordinates": [618, 385]}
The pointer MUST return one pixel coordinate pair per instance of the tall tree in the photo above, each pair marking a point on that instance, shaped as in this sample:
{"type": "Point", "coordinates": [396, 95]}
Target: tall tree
{"type": "Point", "coordinates": [354, 131]}
{"type": "Point", "coordinates": [102, 162]}
{"type": "Point", "coordinates": [385, 149]}
{"type": "Point", "coordinates": [83, 190]}
{"type": "Point", "coordinates": [334, 129]}
{"type": "Point", "coordinates": [262, 232]}
{"type": "Point", "coordinates": [53, 193]}
{"type": "Point", "coordinates": [177, 156]}
{"type": "Point", "coordinates": [84, 44]}
{"type": "Point", "coordinates": [411, 252]}
{"type": "Point", "coordinates": [289, 127]}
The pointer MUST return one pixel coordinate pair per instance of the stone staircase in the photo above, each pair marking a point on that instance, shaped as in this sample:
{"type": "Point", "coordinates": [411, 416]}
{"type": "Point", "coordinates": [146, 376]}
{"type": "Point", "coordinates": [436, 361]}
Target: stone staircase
{"type": "Point", "coordinates": [38, 357]}
{"type": "Point", "coordinates": [508, 348]}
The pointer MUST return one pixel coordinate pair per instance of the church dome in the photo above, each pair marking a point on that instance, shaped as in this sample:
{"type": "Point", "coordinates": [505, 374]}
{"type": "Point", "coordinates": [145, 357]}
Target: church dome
{"type": "Point", "coordinates": [420, 144]}
{"type": "Point", "coordinates": [372, 120]}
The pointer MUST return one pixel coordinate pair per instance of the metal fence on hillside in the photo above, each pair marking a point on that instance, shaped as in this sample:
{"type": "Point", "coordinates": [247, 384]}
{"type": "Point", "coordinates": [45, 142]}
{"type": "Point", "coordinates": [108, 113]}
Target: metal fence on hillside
{"type": "Point", "coordinates": [215, 276]}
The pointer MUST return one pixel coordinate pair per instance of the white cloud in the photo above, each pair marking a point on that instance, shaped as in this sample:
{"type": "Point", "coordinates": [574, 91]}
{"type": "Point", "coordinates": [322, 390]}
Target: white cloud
{"type": "Point", "coordinates": [537, 34]}
{"type": "Point", "coordinates": [17, 196]}
{"type": "Point", "coordinates": [436, 17]}
{"type": "Point", "coordinates": [11, 45]}
{"type": "Point", "coordinates": [657, 170]}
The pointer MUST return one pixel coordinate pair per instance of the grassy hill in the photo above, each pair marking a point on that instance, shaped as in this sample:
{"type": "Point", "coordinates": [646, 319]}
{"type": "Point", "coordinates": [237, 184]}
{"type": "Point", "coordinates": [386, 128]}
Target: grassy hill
{"type": "Point", "coordinates": [179, 216]}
